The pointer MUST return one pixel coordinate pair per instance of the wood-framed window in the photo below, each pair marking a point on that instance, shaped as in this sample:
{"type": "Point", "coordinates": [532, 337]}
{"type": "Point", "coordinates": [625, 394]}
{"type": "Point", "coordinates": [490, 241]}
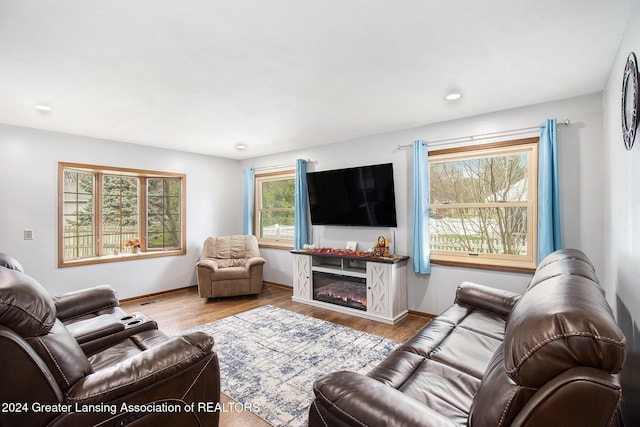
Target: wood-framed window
{"type": "Point", "coordinates": [109, 214]}
{"type": "Point", "coordinates": [274, 209]}
{"type": "Point", "coordinates": [483, 205]}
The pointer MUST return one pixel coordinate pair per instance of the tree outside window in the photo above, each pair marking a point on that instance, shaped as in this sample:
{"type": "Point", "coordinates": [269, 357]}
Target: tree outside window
{"type": "Point", "coordinates": [483, 205]}
{"type": "Point", "coordinates": [103, 210]}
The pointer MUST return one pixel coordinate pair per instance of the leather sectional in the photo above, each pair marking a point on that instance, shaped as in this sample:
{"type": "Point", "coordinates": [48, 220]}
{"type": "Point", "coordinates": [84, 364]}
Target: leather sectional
{"type": "Point", "coordinates": [495, 358]}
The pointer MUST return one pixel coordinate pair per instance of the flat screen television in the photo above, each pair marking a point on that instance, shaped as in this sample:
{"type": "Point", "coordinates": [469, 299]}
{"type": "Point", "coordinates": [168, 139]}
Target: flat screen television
{"type": "Point", "coordinates": [360, 196]}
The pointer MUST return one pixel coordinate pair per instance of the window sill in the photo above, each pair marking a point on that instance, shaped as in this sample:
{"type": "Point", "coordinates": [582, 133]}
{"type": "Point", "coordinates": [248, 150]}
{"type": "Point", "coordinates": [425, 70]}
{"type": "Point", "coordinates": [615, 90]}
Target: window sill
{"type": "Point", "coordinates": [485, 266]}
{"type": "Point", "coordinates": [284, 247]}
{"type": "Point", "coordinates": [118, 258]}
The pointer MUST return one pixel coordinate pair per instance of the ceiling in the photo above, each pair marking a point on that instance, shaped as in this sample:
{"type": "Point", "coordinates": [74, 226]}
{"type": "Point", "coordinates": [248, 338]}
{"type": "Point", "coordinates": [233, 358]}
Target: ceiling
{"type": "Point", "coordinates": [280, 75]}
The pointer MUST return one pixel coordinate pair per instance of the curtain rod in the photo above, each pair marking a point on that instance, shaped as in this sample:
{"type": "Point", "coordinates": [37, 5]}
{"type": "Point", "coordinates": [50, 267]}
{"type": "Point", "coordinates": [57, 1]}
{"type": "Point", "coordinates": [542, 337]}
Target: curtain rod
{"type": "Point", "coordinates": [469, 138]}
{"type": "Point", "coordinates": [278, 166]}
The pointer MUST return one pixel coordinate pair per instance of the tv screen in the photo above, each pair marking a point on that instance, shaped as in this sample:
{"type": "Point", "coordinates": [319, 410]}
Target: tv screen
{"type": "Point", "coordinates": [361, 196]}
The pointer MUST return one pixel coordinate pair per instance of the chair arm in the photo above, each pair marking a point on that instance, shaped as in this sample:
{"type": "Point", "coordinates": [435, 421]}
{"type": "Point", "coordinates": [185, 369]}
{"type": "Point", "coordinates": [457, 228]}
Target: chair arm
{"type": "Point", "coordinates": [355, 399]}
{"type": "Point", "coordinates": [486, 298]}
{"type": "Point", "coordinates": [85, 301]}
{"type": "Point", "coordinates": [152, 366]}
{"type": "Point", "coordinates": [580, 396]}
{"type": "Point", "coordinates": [255, 261]}
{"type": "Point", "coordinates": [208, 263]}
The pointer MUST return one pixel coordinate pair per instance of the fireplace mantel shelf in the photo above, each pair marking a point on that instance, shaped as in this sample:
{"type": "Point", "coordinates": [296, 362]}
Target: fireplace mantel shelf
{"type": "Point", "coordinates": [346, 255]}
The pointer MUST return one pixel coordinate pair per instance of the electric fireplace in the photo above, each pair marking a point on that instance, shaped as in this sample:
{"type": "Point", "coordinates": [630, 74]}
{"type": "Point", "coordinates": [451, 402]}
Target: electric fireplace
{"type": "Point", "coordinates": [341, 290]}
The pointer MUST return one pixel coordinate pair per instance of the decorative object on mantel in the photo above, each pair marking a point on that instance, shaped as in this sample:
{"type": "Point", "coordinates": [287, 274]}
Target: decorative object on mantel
{"type": "Point", "coordinates": [630, 101]}
{"type": "Point", "coordinates": [381, 248]}
{"type": "Point", "coordinates": [371, 253]}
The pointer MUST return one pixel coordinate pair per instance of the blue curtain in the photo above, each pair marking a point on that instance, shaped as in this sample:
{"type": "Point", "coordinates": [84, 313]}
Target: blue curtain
{"type": "Point", "coordinates": [549, 233]}
{"type": "Point", "coordinates": [247, 214]}
{"type": "Point", "coordinates": [421, 250]}
{"type": "Point", "coordinates": [301, 224]}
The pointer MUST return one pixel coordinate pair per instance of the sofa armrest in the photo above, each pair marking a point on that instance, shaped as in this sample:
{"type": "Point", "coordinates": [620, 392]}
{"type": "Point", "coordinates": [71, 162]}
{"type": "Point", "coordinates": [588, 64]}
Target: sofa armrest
{"type": "Point", "coordinates": [486, 298]}
{"type": "Point", "coordinates": [255, 261]}
{"type": "Point", "coordinates": [208, 263]}
{"type": "Point", "coordinates": [349, 398]}
{"type": "Point", "coordinates": [85, 301]}
{"type": "Point", "coordinates": [555, 403]}
{"type": "Point", "coordinates": [145, 369]}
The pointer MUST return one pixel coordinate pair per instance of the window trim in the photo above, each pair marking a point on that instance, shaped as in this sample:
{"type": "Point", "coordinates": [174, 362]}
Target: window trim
{"type": "Point", "coordinates": [258, 180]}
{"type": "Point", "coordinates": [498, 262]}
{"type": "Point", "coordinates": [142, 212]}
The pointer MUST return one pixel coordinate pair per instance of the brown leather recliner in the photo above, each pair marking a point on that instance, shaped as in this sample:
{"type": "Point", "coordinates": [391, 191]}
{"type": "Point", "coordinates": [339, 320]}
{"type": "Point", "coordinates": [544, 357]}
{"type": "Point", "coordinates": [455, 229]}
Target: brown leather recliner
{"type": "Point", "coordinates": [145, 379]}
{"type": "Point", "coordinates": [93, 315]}
{"type": "Point", "coordinates": [230, 266]}
{"type": "Point", "coordinates": [548, 357]}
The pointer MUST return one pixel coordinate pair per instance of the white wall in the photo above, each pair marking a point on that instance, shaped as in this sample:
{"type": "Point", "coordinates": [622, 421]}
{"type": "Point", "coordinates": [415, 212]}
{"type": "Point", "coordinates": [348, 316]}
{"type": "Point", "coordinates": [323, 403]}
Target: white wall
{"type": "Point", "coordinates": [28, 166]}
{"type": "Point", "coordinates": [580, 151]}
{"type": "Point", "coordinates": [28, 172]}
{"type": "Point", "coordinates": [622, 221]}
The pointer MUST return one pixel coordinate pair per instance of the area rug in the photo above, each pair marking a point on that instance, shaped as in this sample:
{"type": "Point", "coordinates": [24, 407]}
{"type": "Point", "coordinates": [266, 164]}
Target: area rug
{"type": "Point", "coordinates": [269, 358]}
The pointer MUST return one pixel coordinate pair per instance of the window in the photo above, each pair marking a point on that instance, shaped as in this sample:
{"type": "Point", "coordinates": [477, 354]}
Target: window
{"type": "Point", "coordinates": [108, 214]}
{"type": "Point", "coordinates": [483, 205]}
{"type": "Point", "coordinates": [274, 212]}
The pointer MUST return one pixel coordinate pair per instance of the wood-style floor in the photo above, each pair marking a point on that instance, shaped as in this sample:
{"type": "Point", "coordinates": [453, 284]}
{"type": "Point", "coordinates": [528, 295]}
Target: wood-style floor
{"type": "Point", "coordinates": [182, 309]}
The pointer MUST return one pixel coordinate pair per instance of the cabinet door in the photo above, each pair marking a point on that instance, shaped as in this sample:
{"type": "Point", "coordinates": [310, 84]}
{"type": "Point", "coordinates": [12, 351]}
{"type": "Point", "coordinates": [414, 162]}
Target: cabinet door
{"type": "Point", "coordinates": [302, 282]}
{"type": "Point", "coordinates": [378, 295]}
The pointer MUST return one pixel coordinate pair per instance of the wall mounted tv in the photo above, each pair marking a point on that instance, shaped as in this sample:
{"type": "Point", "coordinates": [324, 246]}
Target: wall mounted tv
{"type": "Point", "coordinates": [360, 196]}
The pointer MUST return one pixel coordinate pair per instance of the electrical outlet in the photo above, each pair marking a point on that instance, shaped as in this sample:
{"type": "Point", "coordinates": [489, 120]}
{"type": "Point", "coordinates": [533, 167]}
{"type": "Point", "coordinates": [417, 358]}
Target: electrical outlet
{"type": "Point", "coordinates": [28, 234]}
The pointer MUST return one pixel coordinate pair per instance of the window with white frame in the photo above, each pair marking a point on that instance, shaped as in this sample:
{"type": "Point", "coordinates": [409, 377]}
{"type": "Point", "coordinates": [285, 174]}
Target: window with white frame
{"type": "Point", "coordinates": [107, 213]}
{"type": "Point", "coordinates": [483, 205]}
{"type": "Point", "coordinates": [274, 208]}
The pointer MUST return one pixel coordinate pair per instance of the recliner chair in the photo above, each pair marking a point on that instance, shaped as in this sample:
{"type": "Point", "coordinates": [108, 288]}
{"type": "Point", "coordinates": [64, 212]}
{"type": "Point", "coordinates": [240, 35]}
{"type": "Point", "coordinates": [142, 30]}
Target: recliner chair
{"type": "Point", "coordinates": [230, 266]}
{"type": "Point", "coordinates": [92, 315]}
{"type": "Point", "coordinates": [144, 379]}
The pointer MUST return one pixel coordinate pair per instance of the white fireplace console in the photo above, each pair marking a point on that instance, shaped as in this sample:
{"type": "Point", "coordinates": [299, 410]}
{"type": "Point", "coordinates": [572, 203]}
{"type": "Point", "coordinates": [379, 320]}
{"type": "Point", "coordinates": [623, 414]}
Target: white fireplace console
{"type": "Point", "coordinates": [385, 279]}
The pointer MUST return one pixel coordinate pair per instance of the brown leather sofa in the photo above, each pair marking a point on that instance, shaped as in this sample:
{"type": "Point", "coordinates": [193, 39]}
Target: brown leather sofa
{"type": "Point", "coordinates": [135, 376]}
{"type": "Point", "coordinates": [548, 357]}
{"type": "Point", "coordinates": [230, 266]}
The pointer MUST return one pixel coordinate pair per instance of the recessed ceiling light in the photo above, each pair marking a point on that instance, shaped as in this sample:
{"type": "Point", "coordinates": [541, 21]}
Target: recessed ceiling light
{"type": "Point", "coordinates": [453, 96]}
{"type": "Point", "coordinates": [43, 107]}
{"type": "Point", "coordinates": [241, 146]}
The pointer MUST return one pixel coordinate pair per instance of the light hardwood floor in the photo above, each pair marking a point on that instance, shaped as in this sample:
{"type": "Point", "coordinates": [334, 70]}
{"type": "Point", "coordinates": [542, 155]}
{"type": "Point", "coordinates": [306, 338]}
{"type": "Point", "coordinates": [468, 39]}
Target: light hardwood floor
{"type": "Point", "coordinates": [182, 309]}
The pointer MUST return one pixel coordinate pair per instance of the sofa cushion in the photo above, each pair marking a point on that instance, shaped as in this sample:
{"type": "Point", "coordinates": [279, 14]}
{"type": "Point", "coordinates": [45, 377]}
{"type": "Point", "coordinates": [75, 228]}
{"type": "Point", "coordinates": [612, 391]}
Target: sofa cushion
{"type": "Point", "coordinates": [561, 323]}
{"type": "Point", "coordinates": [127, 348]}
{"type": "Point", "coordinates": [25, 306]}
{"type": "Point", "coordinates": [467, 351]}
{"type": "Point", "coordinates": [396, 368]}
{"type": "Point", "coordinates": [62, 354]}
{"type": "Point", "coordinates": [563, 266]}
{"type": "Point", "coordinates": [568, 253]}
{"type": "Point", "coordinates": [461, 337]}
{"type": "Point", "coordinates": [498, 399]}
{"type": "Point", "coordinates": [442, 388]}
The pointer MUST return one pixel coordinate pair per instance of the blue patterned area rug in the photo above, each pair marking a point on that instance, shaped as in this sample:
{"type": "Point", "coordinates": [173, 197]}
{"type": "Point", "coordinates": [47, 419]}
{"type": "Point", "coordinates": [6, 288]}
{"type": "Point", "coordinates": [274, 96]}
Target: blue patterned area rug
{"type": "Point", "coordinates": [269, 358]}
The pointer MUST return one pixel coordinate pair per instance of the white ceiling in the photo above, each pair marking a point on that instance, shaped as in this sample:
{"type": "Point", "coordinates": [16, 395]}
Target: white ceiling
{"type": "Point", "coordinates": [280, 75]}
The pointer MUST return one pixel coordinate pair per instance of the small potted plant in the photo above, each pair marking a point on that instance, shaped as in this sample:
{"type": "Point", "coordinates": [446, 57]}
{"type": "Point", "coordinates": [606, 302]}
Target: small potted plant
{"type": "Point", "coordinates": [134, 244]}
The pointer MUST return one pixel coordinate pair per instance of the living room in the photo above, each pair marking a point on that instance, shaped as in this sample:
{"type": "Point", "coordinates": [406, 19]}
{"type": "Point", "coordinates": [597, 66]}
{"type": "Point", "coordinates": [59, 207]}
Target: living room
{"type": "Point", "coordinates": [599, 200]}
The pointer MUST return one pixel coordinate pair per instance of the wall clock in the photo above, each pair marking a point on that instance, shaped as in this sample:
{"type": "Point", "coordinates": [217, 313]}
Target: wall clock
{"type": "Point", "coordinates": [630, 101]}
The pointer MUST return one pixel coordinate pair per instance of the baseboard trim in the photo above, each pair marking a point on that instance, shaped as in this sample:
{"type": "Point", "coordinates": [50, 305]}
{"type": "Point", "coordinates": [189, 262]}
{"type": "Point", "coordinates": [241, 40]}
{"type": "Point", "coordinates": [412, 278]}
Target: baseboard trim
{"type": "Point", "coordinates": [422, 314]}
{"type": "Point", "coordinates": [278, 285]}
{"type": "Point", "coordinates": [155, 294]}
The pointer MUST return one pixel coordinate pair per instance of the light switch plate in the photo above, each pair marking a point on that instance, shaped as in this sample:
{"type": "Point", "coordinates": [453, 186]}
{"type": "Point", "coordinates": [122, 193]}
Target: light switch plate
{"type": "Point", "coordinates": [28, 234]}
